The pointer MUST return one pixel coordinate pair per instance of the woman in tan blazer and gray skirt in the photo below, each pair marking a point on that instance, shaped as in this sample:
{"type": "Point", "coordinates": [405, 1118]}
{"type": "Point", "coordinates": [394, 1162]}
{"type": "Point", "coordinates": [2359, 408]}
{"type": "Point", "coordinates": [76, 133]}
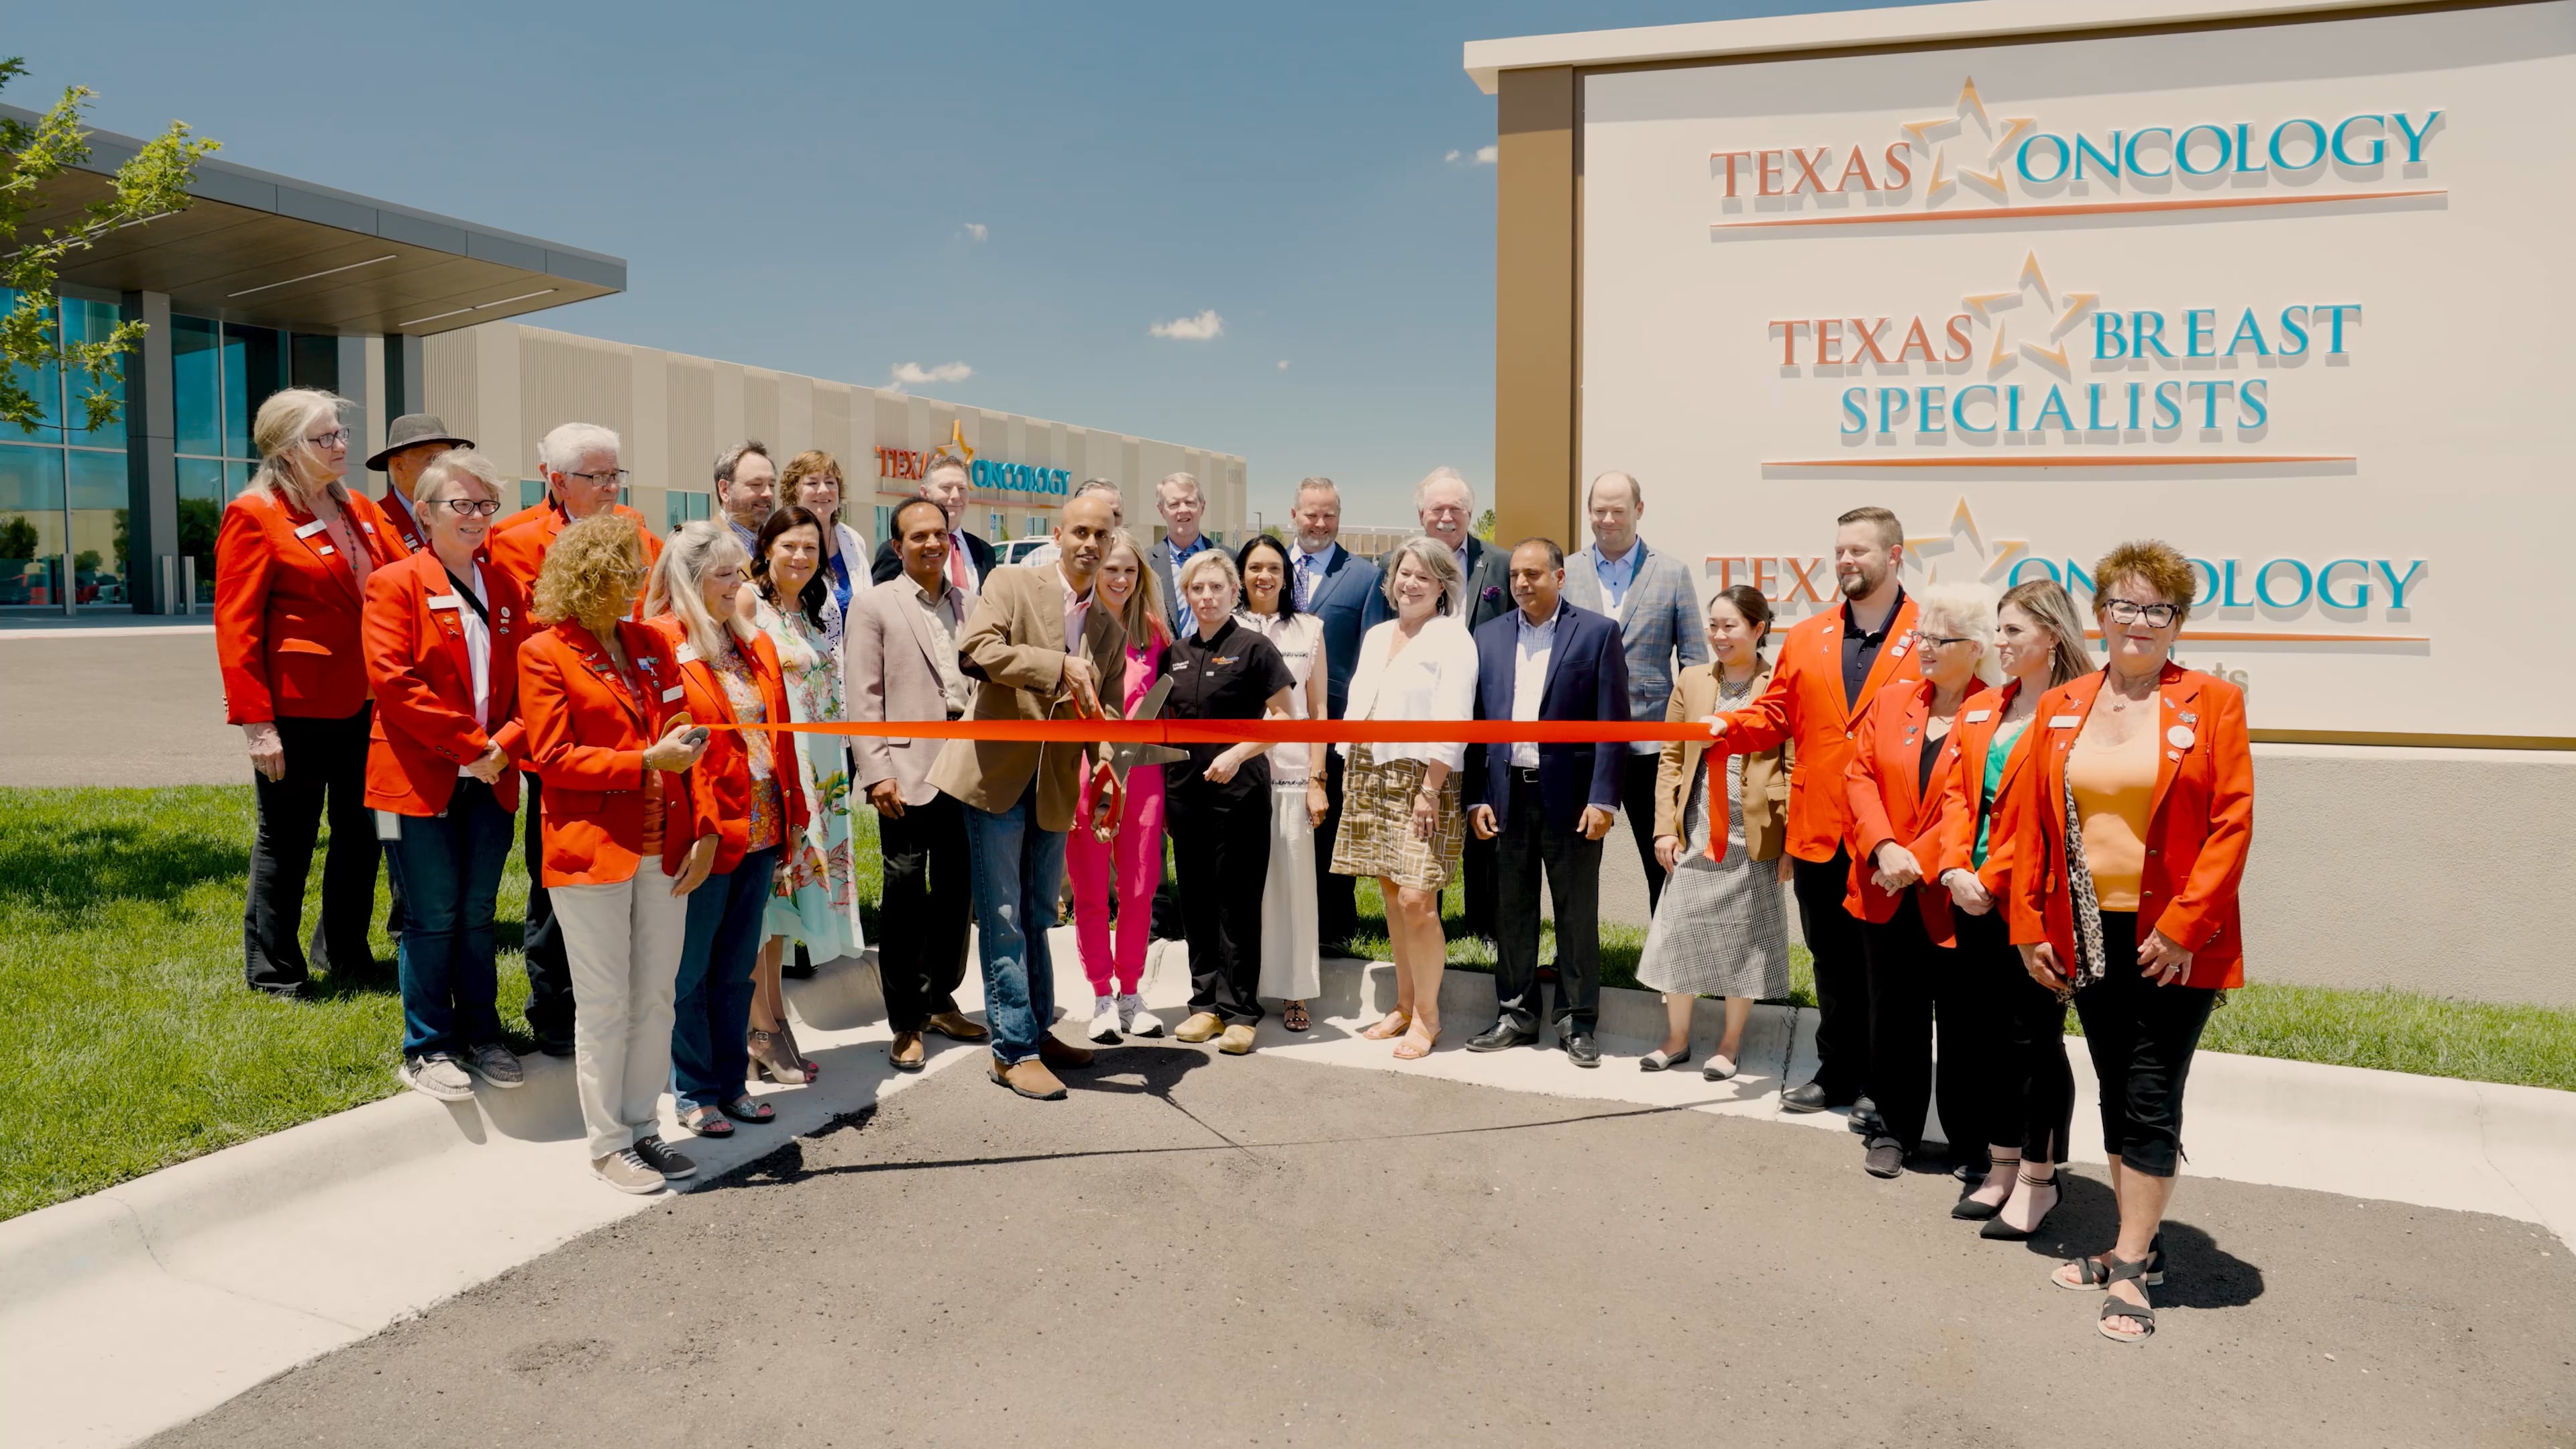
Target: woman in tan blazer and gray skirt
{"type": "Point", "coordinates": [1721, 928]}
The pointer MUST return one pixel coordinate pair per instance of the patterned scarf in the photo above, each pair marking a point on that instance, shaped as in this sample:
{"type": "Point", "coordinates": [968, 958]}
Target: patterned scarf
{"type": "Point", "coordinates": [2087, 910]}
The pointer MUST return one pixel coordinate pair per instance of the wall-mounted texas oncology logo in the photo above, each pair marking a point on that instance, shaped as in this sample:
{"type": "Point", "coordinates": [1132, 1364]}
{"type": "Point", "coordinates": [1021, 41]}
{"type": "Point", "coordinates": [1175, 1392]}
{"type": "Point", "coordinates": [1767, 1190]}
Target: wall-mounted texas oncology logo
{"type": "Point", "coordinates": [1972, 165]}
{"type": "Point", "coordinates": [2286, 588]}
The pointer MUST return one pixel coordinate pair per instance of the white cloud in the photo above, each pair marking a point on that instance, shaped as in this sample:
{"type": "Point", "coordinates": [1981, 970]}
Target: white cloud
{"type": "Point", "coordinates": [1200, 328]}
{"type": "Point", "coordinates": [1488, 155]}
{"type": "Point", "coordinates": [910, 374]}
{"type": "Point", "coordinates": [976, 231]}
{"type": "Point", "coordinates": [1283, 364]}
{"type": "Point", "coordinates": [1452, 157]}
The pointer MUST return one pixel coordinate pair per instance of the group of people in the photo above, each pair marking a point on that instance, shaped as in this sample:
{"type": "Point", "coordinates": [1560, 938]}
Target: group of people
{"type": "Point", "coordinates": [1977, 825]}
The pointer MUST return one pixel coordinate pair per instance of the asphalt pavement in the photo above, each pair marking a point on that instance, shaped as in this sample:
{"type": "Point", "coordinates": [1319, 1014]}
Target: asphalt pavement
{"type": "Point", "coordinates": [1196, 1249]}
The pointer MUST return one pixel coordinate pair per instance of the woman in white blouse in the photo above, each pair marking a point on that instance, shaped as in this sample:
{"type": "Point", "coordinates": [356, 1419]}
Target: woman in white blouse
{"type": "Point", "coordinates": [1291, 955]}
{"type": "Point", "coordinates": [1401, 820]}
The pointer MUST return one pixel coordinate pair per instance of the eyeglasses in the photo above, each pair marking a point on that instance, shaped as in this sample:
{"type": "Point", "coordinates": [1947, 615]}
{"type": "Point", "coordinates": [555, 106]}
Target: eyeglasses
{"type": "Point", "coordinates": [614, 475]}
{"type": "Point", "coordinates": [484, 506]}
{"type": "Point", "coordinates": [1949, 639]}
{"type": "Point", "coordinates": [336, 438]}
{"type": "Point", "coordinates": [2127, 611]}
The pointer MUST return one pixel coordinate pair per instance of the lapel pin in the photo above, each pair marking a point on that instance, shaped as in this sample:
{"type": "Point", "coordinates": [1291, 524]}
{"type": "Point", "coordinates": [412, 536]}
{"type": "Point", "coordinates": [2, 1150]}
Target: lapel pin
{"type": "Point", "coordinates": [2180, 736]}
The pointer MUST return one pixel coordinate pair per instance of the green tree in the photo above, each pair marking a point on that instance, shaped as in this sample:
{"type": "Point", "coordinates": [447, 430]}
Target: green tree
{"type": "Point", "coordinates": [17, 539]}
{"type": "Point", "coordinates": [1485, 525]}
{"type": "Point", "coordinates": [150, 186]}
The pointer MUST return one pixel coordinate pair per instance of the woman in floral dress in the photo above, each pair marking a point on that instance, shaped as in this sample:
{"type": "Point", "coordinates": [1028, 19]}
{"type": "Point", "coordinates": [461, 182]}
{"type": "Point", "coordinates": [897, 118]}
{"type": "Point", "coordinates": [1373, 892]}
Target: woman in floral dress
{"type": "Point", "coordinates": [816, 899]}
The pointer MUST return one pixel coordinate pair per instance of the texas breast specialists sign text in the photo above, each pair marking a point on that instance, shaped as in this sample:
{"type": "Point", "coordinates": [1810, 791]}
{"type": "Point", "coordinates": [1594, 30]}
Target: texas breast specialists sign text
{"type": "Point", "coordinates": [2288, 296]}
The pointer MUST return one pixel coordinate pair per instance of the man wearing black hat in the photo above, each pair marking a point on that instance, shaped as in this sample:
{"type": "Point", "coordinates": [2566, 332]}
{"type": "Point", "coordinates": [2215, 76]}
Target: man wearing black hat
{"type": "Point", "coordinates": [410, 445]}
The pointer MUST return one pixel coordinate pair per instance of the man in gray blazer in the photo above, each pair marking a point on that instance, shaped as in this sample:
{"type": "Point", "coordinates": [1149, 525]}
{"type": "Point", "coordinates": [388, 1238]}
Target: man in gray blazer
{"type": "Point", "coordinates": [1651, 595]}
{"type": "Point", "coordinates": [1445, 502]}
{"type": "Point", "coordinates": [899, 661]}
{"type": "Point", "coordinates": [1181, 503]}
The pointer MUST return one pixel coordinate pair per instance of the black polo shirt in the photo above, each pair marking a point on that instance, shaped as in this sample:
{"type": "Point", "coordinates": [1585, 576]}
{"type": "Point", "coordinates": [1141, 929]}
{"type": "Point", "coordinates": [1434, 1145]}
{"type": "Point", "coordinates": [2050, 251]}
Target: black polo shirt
{"type": "Point", "coordinates": [1860, 651]}
{"type": "Point", "coordinates": [1231, 676]}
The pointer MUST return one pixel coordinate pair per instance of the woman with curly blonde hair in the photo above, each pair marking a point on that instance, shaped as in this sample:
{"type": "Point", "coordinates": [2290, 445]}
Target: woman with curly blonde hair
{"type": "Point", "coordinates": [597, 693]}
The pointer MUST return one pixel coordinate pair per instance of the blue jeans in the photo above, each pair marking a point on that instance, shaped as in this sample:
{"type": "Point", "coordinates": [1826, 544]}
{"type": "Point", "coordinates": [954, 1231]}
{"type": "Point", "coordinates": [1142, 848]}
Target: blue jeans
{"type": "Point", "coordinates": [711, 1000]}
{"type": "Point", "coordinates": [1018, 871]}
{"type": "Point", "coordinates": [448, 868]}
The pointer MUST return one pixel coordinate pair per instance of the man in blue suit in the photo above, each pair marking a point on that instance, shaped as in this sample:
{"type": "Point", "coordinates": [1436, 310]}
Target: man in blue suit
{"type": "Point", "coordinates": [1546, 806]}
{"type": "Point", "coordinates": [1336, 586]}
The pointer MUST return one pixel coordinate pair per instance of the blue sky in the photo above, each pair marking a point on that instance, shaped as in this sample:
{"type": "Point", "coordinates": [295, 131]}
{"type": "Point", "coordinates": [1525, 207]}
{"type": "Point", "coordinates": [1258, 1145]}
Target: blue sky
{"type": "Point", "coordinates": [843, 190]}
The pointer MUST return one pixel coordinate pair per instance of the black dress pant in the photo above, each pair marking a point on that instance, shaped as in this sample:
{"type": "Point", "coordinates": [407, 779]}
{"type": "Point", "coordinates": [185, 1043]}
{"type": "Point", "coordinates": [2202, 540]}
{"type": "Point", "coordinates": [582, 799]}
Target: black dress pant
{"type": "Point", "coordinates": [550, 1008]}
{"type": "Point", "coordinates": [1221, 843]}
{"type": "Point", "coordinates": [326, 768]}
{"type": "Point", "coordinates": [1911, 982]}
{"type": "Point", "coordinates": [929, 906]}
{"type": "Point", "coordinates": [2020, 1088]}
{"type": "Point", "coordinates": [1572, 864]}
{"type": "Point", "coordinates": [2141, 1037]}
{"type": "Point", "coordinates": [1842, 975]}
{"type": "Point", "coordinates": [1337, 915]}
{"type": "Point", "coordinates": [1637, 800]}
{"type": "Point", "coordinates": [1476, 865]}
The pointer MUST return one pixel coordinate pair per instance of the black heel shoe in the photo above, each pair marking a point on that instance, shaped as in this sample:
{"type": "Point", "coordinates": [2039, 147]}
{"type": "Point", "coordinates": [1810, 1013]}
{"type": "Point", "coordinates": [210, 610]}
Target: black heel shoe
{"type": "Point", "coordinates": [2004, 1232]}
{"type": "Point", "coordinates": [1968, 1209]}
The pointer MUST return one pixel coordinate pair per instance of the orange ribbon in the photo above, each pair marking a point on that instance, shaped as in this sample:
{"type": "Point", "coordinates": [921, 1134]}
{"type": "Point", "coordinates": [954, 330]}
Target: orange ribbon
{"type": "Point", "coordinates": [1267, 731]}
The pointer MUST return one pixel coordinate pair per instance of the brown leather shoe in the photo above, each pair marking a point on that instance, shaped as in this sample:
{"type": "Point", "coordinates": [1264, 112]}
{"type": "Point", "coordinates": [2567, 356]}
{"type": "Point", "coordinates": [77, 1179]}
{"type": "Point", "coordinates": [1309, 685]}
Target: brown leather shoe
{"type": "Point", "coordinates": [1030, 1079]}
{"type": "Point", "coordinates": [957, 1026]}
{"type": "Point", "coordinates": [905, 1051]}
{"type": "Point", "coordinates": [1059, 1053]}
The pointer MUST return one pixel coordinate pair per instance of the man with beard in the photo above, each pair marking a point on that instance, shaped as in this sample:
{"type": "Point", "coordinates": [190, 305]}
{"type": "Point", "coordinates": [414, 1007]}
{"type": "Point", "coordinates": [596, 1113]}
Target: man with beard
{"type": "Point", "coordinates": [1831, 666]}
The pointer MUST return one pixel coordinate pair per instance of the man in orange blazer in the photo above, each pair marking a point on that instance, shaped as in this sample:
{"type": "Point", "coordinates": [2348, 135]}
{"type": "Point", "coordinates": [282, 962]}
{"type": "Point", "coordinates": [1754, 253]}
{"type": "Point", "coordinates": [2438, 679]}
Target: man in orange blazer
{"type": "Point", "coordinates": [1831, 666]}
{"type": "Point", "coordinates": [583, 476]}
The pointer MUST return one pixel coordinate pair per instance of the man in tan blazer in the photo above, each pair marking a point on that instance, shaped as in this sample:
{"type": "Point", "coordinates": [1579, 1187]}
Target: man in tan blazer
{"type": "Point", "coordinates": [1039, 651]}
{"type": "Point", "coordinates": [899, 658]}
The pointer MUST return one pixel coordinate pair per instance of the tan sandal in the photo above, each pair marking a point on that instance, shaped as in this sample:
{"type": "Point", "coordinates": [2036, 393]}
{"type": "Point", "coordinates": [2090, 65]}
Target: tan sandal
{"type": "Point", "coordinates": [1394, 1024]}
{"type": "Point", "coordinates": [1415, 1046]}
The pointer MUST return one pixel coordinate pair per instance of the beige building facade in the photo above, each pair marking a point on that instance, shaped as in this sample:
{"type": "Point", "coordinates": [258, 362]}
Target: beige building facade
{"type": "Point", "coordinates": [506, 384]}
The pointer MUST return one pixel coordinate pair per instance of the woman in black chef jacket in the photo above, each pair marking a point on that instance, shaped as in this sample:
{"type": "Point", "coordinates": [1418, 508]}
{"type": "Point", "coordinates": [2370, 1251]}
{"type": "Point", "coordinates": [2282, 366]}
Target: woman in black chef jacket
{"type": "Point", "coordinates": [1217, 807]}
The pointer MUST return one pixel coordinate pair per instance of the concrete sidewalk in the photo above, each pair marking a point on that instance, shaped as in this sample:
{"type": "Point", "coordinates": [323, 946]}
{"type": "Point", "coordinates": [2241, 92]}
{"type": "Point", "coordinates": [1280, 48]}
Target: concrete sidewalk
{"type": "Point", "coordinates": [150, 1303]}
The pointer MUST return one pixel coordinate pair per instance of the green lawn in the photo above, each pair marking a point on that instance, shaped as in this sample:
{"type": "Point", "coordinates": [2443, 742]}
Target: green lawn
{"type": "Point", "coordinates": [127, 1041]}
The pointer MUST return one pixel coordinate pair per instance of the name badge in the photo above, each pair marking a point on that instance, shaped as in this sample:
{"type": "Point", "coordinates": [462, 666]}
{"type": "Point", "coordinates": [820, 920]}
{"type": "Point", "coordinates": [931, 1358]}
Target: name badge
{"type": "Point", "coordinates": [672, 693]}
{"type": "Point", "coordinates": [325, 550]}
{"type": "Point", "coordinates": [369, 527]}
{"type": "Point", "coordinates": [310, 529]}
{"type": "Point", "coordinates": [445, 601]}
{"type": "Point", "coordinates": [1977, 716]}
{"type": "Point", "coordinates": [2180, 736]}
{"type": "Point", "coordinates": [686, 654]}
{"type": "Point", "coordinates": [2064, 721]}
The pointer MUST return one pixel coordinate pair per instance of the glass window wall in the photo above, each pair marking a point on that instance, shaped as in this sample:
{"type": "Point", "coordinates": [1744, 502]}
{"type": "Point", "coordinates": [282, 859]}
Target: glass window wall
{"type": "Point", "coordinates": [62, 483]}
{"type": "Point", "coordinates": [220, 373]}
{"type": "Point", "coordinates": [679, 507]}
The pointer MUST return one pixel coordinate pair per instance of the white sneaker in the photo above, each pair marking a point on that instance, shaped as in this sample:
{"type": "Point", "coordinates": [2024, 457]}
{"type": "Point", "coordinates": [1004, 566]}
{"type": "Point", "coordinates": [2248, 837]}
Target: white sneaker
{"type": "Point", "coordinates": [1135, 1018]}
{"type": "Point", "coordinates": [436, 1076]}
{"type": "Point", "coordinates": [1104, 1019]}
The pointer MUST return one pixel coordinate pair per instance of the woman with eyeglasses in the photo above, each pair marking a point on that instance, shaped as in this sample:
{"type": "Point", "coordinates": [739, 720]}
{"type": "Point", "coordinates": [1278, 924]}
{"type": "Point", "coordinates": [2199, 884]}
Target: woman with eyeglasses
{"type": "Point", "coordinates": [442, 640]}
{"type": "Point", "coordinates": [1895, 783]}
{"type": "Point", "coordinates": [2127, 853]}
{"type": "Point", "coordinates": [2023, 1092]}
{"type": "Point", "coordinates": [292, 560]}
{"type": "Point", "coordinates": [628, 834]}
{"type": "Point", "coordinates": [816, 900]}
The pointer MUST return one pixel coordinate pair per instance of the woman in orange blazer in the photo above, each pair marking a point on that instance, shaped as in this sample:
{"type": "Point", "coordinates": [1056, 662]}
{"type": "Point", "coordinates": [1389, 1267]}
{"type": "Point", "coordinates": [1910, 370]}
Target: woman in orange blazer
{"type": "Point", "coordinates": [2018, 1085]}
{"type": "Point", "coordinates": [729, 669]}
{"type": "Point", "coordinates": [625, 844]}
{"type": "Point", "coordinates": [2127, 852]}
{"type": "Point", "coordinates": [292, 559]}
{"type": "Point", "coordinates": [442, 633]}
{"type": "Point", "coordinates": [1895, 783]}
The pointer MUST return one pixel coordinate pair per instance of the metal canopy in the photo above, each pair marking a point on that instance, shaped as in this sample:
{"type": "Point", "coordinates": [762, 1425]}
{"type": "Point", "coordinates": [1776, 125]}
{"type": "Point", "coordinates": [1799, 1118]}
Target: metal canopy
{"type": "Point", "coordinates": [271, 251]}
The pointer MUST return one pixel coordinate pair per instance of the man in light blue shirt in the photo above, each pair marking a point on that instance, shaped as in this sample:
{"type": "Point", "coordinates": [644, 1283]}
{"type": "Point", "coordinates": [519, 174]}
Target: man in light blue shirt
{"type": "Point", "coordinates": [1181, 503]}
{"type": "Point", "coordinates": [1651, 596]}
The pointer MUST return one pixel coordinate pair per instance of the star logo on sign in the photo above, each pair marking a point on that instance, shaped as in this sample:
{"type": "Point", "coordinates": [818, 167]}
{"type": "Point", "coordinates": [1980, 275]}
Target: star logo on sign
{"type": "Point", "coordinates": [2056, 313]}
{"type": "Point", "coordinates": [1984, 142]}
{"type": "Point", "coordinates": [1964, 554]}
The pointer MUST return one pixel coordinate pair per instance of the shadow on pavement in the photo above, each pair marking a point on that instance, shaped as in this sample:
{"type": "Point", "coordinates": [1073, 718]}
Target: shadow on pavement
{"type": "Point", "coordinates": [2198, 1272]}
